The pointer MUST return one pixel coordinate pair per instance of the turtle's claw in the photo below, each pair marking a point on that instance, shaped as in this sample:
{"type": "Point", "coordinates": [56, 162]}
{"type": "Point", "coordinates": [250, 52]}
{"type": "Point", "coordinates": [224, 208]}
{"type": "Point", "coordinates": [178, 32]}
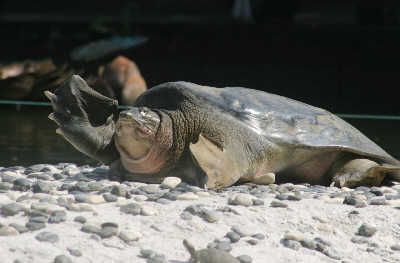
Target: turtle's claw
{"type": "Point", "coordinates": [51, 96]}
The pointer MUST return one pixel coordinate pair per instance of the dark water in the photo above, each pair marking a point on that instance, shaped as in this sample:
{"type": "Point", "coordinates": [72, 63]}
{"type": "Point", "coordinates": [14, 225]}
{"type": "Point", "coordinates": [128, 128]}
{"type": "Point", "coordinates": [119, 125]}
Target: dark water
{"type": "Point", "coordinates": [27, 136]}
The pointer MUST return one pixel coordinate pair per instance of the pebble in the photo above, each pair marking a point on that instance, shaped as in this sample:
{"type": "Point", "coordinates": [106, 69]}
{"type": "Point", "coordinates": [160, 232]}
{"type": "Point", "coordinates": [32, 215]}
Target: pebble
{"type": "Point", "coordinates": [293, 244]}
{"type": "Point", "coordinates": [233, 236]}
{"type": "Point", "coordinates": [171, 182]}
{"type": "Point", "coordinates": [379, 200]}
{"type": "Point", "coordinates": [11, 209]}
{"type": "Point", "coordinates": [366, 230]}
{"type": "Point", "coordinates": [47, 237]}
{"type": "Point", "coordinates": [241, 199]}
{"type": "Point", "coordinates": [258, 236]}
{"type": "Point", "coordinates": [187, 196]}
{"type": "Point", "coordinates": [110, 197]}
{"type": "Point", "coordinates": [224, 246]}
{"type": "Point", "coordinates": [252, 242]}
{"type": "Point", "coordinates": [22, 184]}
{"type": "Point", "coordinates": [80, 219]}
{"type": "Point", "coordinates": [147, 210]}
{"type": "Point", "coordinates": [245, 259]}
{"type": "Point", "coordinates": [356, 201]}
{"type": "Point", "coordinates": [62, 259]}
{"type": "Point", "coordinates": [89, 198]}
{"type": "Point", "coordinates": [186, 215]}
{"type": "Point", "coordinates": [108, 230]}
{"type": "Point", "coordinates": [20, 228]}
{"type": "Point", "coordinates": [395, 247]}
{"type": "Point", "coordinates": [8, 231]}
{"type": "Point", "coordinates": [74, 252]}
{"type": "Point", "coordinates": [206, 214]}
{"type": "Point", "coordinates": [33, 226]}
{"type": "Point", "coordinates": [132, 208]}
{"type": "Point", "coordinates": [90, 228]}
{"type": "Point", "coordinates": [118, 190]}
{"type": "Point", "coordinates": [129, 235]}
{"type": "Point", "coordinates": [242, 231]}
{"type": "Point", "coordinates": [57, 217]}
{"type": "Point", "coordinates": [150, 188]}
{"type": "Point", "coordinates": [276, 203]}
{"type": "Point", "coordinates": [5, 186]}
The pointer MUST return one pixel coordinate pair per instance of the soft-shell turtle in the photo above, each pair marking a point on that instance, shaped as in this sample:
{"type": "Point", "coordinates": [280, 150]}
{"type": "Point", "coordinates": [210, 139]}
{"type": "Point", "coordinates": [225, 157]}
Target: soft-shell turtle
{"type": "Point", "coordinates": [216, 137]}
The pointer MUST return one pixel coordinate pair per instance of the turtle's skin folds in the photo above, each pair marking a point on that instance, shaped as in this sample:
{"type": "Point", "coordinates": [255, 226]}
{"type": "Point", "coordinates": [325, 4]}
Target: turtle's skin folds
{"type": "Point", "coordinates": [217, 137]}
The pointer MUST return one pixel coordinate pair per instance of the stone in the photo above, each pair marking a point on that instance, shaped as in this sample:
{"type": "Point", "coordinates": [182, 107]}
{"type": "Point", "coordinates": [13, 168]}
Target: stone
{"type": "Point", "coordinates": [5, 186]}
{"type": "Point", "coordinates": [47, 237]}
{"type": "Point", "coordinates": [241, 199]}
{"type": "Point", "coordinates": [45, 207]}
{"type": "Point", "coordinates": [80, 219]}
{"type": "Point", "coordinates": [150, 188]}
{"type": "Point", "coordinates": [233, 236]}
{"type": "Point", "coordinates": [379, 200]}
{"type": "Point", "coordinates": [20, 228]}
{"type": "Point", "coordinates": [110, 197]}
{"type": "Point", "coordinates": [22, 184]}
{"type": "Point", "coordinates": [294, 235]}
{"type": "Point", "coordinates": [242, 231]}
{"type": "Point", "coordinates": [11, 209]}
{"type": "Point", "coordinates": [57, 217]}
{"type": "Point", "coordinates": [129, 235]}
{"type": "Point", "coordinates": [90, 199]}
{"type": "Point", "coordinates": [292, 244]}
{"type": "Point", "coordinates": [366, 230]}
{"type": "Point", "coordinates": [79, 207]}
{"type": "Point", "coordinates": [62, 259]}
{"type": "Point", "coordinates": [90, 228]}
{"type": "Point", "coordinates": [42, 187]}
{"type": "Point", "coordinates": [33, 226]}
{"type": "Point", "coordinates": [224, 246]}
{"type": "Point", "coordinates": [252, 242]}
{"type": "Point", "coordinates": [171, 182]}
{"type": "Point", "coordinates": [276, 203]}
{"type": "Point", "coordinates": [74, 252]}
{"type": "Point", "coordinates": [258, 236]}
{"type": "Point", "coordinates": [395, 247]}
{"type": "Point", "coordinates": [148, 210]}
{"type": "Point", "coordinates": [118, 190]}
{"type": "Point", "coordinates": [147, 253]}
{"type": "Point", "coordinates": [187, 196]}
{"type": "Point", "coordinates": [132, 208]}
{"type": "Point", "coordinates": [266, 179]}
{"type": "Point", "coordinates": [8, 231]}
{"type": "Point", "coordinates": [186, 215]}
{"type": "Point", "coordinates": [108, 231]}
{"type": "Point", "coordinates": [244, 259]}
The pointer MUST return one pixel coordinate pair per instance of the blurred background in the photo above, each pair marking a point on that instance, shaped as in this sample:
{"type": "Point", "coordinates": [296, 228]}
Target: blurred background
{"type": "Point", "coordinates": [339, 55]}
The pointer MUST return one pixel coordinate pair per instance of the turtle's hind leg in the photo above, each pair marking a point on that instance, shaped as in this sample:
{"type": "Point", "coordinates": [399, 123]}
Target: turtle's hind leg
{"type": "Point", "coordinates": [362, 172]}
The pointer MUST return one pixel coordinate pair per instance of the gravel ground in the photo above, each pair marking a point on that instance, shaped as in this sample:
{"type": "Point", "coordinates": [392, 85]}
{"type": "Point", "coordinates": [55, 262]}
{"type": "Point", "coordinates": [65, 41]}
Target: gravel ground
{"type": "Point", "coordinates": [66, 213]}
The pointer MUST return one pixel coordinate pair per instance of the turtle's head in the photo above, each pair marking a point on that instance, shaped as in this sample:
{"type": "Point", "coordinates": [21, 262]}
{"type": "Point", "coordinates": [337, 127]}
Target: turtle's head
{"type": "Point", "coordinates": [136, 131]}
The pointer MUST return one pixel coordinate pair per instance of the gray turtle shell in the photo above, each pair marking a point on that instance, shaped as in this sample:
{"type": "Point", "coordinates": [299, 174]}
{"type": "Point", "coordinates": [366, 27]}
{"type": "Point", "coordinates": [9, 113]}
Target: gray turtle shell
{"type": "Point", "coordinates": [279, 119]}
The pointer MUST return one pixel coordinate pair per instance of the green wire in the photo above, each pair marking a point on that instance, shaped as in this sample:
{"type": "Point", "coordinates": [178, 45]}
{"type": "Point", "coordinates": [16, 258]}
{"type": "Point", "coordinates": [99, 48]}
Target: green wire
{"type": "Point", "coordinates": [342, 115]}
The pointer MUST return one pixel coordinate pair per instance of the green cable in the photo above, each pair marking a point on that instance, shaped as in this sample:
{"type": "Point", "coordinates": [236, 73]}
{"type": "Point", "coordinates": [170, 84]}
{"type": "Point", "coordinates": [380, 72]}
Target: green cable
{"type": "Point", "coordinates": [342, 115]}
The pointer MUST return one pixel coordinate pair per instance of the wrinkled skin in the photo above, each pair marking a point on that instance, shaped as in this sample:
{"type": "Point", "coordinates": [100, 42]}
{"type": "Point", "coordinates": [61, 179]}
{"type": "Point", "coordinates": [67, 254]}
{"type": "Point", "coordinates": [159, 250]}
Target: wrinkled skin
{"type": "Point", "coordinates": [217, 137]}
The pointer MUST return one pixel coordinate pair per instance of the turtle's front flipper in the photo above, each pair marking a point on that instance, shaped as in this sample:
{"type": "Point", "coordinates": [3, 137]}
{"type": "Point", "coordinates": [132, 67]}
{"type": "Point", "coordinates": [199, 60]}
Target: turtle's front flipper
{"type": "Point", "coordinates": [217, 163]}
{"type": "Point", "coordinates": [85, 119]}
{"type": "Point", "coordinates": [362, 172]}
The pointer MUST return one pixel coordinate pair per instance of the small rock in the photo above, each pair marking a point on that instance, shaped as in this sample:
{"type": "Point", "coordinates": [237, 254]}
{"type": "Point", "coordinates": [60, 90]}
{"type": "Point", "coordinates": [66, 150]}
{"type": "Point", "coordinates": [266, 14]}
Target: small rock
{"type": "Point", "coordinates": [108, 231]}
{"type": "Point", "coordinates": [57, 217]}
{"type": "Point", "coordinates": [379, 200]}
{"type": "Point", "coordinates": [90, 199]}
{"type": "Point", "coordinates": [224, 246]}
{"type": "Point", "coordinates": [110, 197]}
{"type": "Point", "coordinates": [8, 231]}
{"type": "Point", "coordinates": [129, 235]}
{"type": "Point", "coordinates": [20, 228]}
{"type": "Point", "coordinates": [258, 202]}
{"type": "Point", "coordinates": [276, 203]}
{"type": "Point", "coordinates": [147, 253]}
{"type": "Point", "coordinates": [33, 226]}
{"type": "Point", "coordinates": [355, 201]}
{"type": "Point", "coordinates": [233, 236]}
{"type": "Point", "coordinates": [252, 242]}
{"type": "Point", "coordinates": [62, 259]}
{"type": "Point", "coordinates": [171, 182]}
{"type": "Point", "coordinates": [241, 199]}
{"type": "Point", "coordinates": [90, 228]}
{"type": "Point", "coordinates": [80, 219]}
{"type": "Point", "coordinates": [268, 178]}
{"type": "Point", "coordinates": [395, 247]}
{"type": "Point", "coordinates": [366, 230]}
{"type": "Point", "coordinates": [242, 231]}
{"type": "Point", "coordinates": [74, 252]}
{"type": "Point", "coordinates": [293, 244]}
{"type": "Point", "coordinates": [186, 215]}
{"type": "Point", "coordinates": [47, 237]}
{"type": "Point", "coordinates": [187, 196]}
{"type": "Point", "coordinates": [148, 211]}
{"type": "Point", "coordinates": [11, 209]}
{"type": "Point", "coordinates": [150, 188]}
{"type": "Point", "coordinates": [245, 259]}
{"type": "Point", "coordinates": [22, 184]}
{"type": "Point", "coordinates": [294, 235]}
{"type": "Point", "coordinates": [42, 187]}
{"type": "Point", "coordinates": [258, 236]}
{"type": "Point", "coordinates": [132, 208]}
{"type": "Point", "coordinates": [118, 190]}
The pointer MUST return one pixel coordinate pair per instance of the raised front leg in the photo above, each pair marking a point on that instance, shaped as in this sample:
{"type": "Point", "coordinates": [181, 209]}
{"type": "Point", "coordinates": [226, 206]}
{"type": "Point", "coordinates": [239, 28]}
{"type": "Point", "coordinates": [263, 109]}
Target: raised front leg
{"type": "Point", "coordinates": [85, 119]}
